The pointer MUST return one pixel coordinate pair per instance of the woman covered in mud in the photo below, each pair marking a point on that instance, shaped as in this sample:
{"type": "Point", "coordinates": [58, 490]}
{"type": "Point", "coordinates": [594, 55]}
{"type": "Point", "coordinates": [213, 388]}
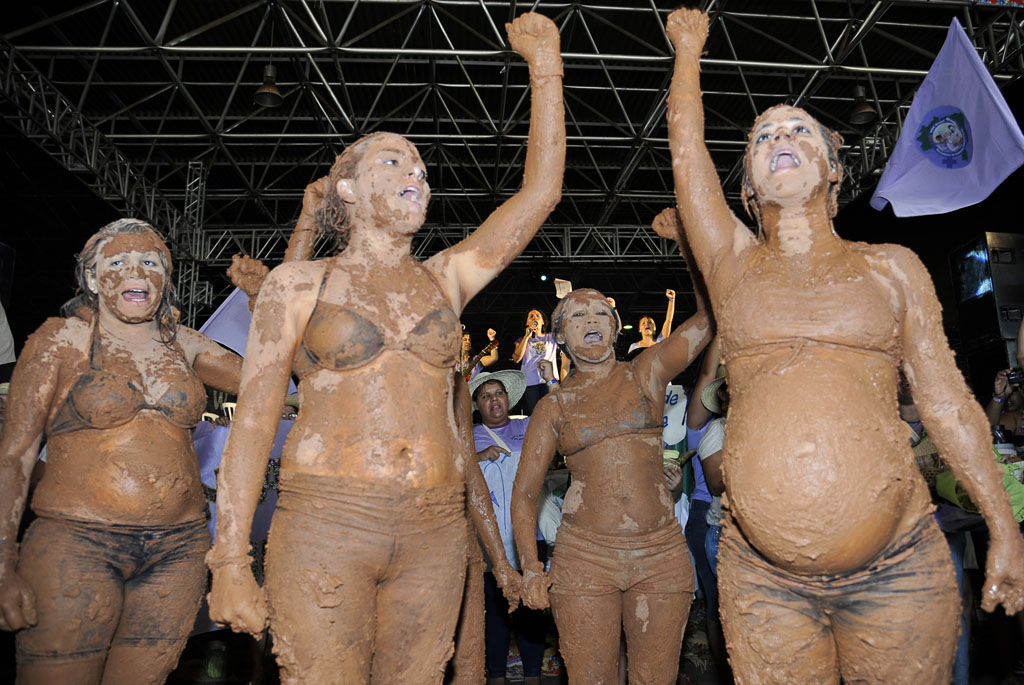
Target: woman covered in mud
{"type": "Point", "coordinates": [830, 562]}
{"type": "Point", "coordinates": [111, 573]}
{"type": "Point", "coordinates": [621, 558]}
{"type": "Point", "coordinates": [368, 546]}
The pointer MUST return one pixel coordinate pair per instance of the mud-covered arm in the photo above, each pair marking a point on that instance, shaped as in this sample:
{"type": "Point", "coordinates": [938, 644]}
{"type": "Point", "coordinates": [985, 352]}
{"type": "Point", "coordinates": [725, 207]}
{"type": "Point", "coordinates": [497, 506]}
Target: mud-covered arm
{"type": "Point", "coordinates": [235, 598]}
{"type": "Point", "coordinates": [716, 236]}
{"type": "Point", "coordinates": [677, 351]}
{"type": "Point", "coordinates": [468, 266]}
{"type": "Point", "coordinates": [248, 273]}
{"type": "Point", "coordinates": [478, 500]}
{"type": "Point", "coordinates": [33, 386]}
{"type": "Point", "coordinates": [538, 450]}
{"type": "Point", "coordinates": [957, 426]}
{"type": "Point", "coordinates": [696, 413]}
{"type": "Point", "coordinates": [216, 365]}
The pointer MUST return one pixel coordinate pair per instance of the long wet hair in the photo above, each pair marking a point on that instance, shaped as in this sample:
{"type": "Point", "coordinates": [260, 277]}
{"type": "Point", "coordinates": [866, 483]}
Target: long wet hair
{"type": "Point", "coordinates": [86, 266]}
{"type": "Point", "coordinates": [332, 218]}
{"type": "Point", "coordinates": [833, 142]}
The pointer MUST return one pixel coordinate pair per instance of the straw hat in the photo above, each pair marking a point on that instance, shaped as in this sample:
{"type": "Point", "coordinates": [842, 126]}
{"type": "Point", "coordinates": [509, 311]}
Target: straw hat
{"type": "Point", "coordinates": [709, 395]}
{"type": "Point", "coordinates": [513, 381]}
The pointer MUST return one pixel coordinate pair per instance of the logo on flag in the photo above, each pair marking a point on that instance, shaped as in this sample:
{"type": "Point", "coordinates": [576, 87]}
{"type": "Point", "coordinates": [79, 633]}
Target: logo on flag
{"type": "Point", "coordinates": [945, 139]}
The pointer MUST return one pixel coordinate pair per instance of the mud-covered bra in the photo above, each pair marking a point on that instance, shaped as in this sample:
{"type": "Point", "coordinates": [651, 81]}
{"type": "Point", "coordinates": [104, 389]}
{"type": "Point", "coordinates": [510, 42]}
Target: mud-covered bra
{"type": "Point", "coordinates": [633, 412]}
{"type": "Point", "coordinates": [102, 399]}
{"type": "Point", "coordinates": [338, 338]}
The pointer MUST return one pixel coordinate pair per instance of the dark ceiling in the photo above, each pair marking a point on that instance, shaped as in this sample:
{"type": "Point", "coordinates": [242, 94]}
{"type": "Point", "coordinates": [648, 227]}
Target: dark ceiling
{"type": "Point", "coordinates": [150, 105]}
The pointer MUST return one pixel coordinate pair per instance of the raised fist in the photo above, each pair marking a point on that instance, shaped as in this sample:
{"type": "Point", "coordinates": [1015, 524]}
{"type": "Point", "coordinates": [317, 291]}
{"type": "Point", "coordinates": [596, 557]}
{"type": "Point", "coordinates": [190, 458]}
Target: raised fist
{"type": "Point", "coordinates": [667, 224]}
{"type": "Point", "coordinates": [247, 274]}
{"type": "Point", "coordinates": [687, 29]}
{"type": "Point", "coordinates": [314, 195]}
{"type": "Point", "coordinates": [534, 37]}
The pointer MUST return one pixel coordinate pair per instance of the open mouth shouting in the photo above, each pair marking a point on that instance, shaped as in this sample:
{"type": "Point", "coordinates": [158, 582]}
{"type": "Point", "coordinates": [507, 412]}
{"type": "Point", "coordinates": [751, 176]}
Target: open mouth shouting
{"type": "Point", "coordinates": [411, 193]}
{"type": "Point", "coordinates": [593, 336]}
{"type": "Point", "coordinates": [136, 296]}
{"type": "Point", "coordinates": [784, 158]}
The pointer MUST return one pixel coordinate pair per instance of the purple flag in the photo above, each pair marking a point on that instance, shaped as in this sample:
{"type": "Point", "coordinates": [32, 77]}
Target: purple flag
{"type": "Point", "coordinates": [959, 140]}
{"type": "Point", "coordinates": [229, 325]}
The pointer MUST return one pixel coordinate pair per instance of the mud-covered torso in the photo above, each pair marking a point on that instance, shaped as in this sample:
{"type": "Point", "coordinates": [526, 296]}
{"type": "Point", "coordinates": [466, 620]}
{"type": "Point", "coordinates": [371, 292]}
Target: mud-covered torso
{"type": "Point", "coordinates": [610, 433]}
{"type": "Point", "coordinates": [816, 465]}
{"type": "Point", "coordinates": [119, 438]}
{"type": "Point", "coordinates": [376, 363]}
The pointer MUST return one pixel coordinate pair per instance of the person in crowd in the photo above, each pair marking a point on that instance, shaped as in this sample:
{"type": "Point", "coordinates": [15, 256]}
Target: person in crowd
{"type": "Point", "coordinates": [1004, 409]}
{"type": "Point", "coordinates": [367, 551]}
{"type": "Point", "coordinates": [819, 580]}
{"type": "Point", "coordinates": [7, 356]}
{"type": "Point", "coordinates": [470, 365]}
{"type": "Point", "coordinates": [620, 561]}
{"type": "Point", "coordinates": [110, 575]}
{"type": "Point", "coordinates": [648, 327]}
{"type": "Point", "coordinates": [498, 441]}
{"type": "Point", "coordinates": [535, 347]}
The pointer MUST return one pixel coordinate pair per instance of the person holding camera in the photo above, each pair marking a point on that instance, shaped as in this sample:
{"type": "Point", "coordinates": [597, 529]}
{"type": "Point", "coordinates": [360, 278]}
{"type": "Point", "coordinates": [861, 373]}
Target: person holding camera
{"type": "Point", "coordinates": [1004, 409]}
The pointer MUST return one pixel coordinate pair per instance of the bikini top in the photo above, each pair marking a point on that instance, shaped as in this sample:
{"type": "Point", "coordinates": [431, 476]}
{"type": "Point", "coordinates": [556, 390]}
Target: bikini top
{"type": "Point", "coordinates": [625, 410]}
{"type": "Point", "coordinates": [102, 399]}
{"type": "Point", "coordinates": [850, 311]}
{"type": "Point", "coordinates": [339, 338]}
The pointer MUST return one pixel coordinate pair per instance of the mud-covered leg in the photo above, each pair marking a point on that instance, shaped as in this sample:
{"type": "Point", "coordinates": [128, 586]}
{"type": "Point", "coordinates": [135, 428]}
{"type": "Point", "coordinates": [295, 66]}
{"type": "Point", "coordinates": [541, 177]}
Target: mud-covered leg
{"type": "Point", "coordinates": [321, 592]}
{"type": "Point", "coordinates": [903, 626]}
{"type": "Point", "coordinates": [467, 665]}
{"type": "Point", "coordinates": [79, 600]}
{"type": "Point", "coordinates": [772, 634]}
{"type": "Point", "coordinates": [654, 625]}
{"type": "Point", "coordinates": [160, 606]}
{"type": "Point", "coordinates": [588, 635]}
{"type": "Point", "coordinates": [418, 606]}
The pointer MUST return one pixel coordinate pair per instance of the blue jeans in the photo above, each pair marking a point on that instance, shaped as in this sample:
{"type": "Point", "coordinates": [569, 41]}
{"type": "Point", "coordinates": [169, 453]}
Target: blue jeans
{"type": "Point", "coordinates": [962, 664]}
{"type": "Point", "coordinates": [696, 531]}
{"type": "Point", "coordinates": [711, 547]}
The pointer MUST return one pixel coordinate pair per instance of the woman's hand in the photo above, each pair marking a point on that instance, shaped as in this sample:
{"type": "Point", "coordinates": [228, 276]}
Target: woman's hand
{"type": "Point", "coordinates": [247, 274]}
{"type": "Point", "coordinates": [1001, 388]}
{"type": "Point", "coordinates": [668, 226]}
{"type": "Point", "coordinates": [534, 593]}
{"type": "Point", "coordinates": [546, 371]}
{"type": "Point", "coordinates": [687, 29]}
{"type": "Point", "coordinates": [17, 601]}
{"type": "Point", "coordinates": [236, 599]}
{"type": "Point", "coordinates": [535, 38]}
{"type": "Point", "coordinates": [1004, 575]}
{"type": "Point", "coordinates": [314, 195]}
{"type": "Point", "coordinates": [670, 295]}
{"type": "Point", "coordinates": [491, 453]}
{"type": "Point", "coordinates": [510, 583]}
{"type": "Point", "coordinates": [673, 476]}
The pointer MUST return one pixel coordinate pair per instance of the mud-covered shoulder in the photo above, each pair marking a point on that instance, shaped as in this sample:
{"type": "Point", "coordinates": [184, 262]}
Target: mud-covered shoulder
{"type": "Point", "coordinates": [58, 338]}
{"type": "Point", "coordinates": [901, 271]}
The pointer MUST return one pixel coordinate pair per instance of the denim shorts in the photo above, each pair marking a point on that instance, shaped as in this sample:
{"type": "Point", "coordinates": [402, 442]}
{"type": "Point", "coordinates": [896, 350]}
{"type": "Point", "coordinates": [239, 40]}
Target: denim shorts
{"type": "Point", "coordinates": [98, 584]}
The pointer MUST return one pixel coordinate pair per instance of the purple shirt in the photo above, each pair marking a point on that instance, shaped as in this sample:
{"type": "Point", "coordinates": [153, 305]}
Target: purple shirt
{"type": "Point", "coordinates": [541, 347]}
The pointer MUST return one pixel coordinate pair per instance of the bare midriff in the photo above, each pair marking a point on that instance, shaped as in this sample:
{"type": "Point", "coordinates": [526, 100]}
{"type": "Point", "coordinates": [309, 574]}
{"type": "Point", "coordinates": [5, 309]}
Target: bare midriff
{"type": "Point", "coordinates": [389, 422]}
{"type": "Point", "coordinates": [818, 469]}
{"type": "Point", "coordinates": [618, 486]}
{"type": "Point", "coordinates": [144, 472]}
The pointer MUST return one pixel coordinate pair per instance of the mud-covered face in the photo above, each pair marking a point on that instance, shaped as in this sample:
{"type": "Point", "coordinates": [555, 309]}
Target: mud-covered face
{"type": "Point", "coordinates": [128, 277]}
{"type": "Point", "coordinates": [788, 156]}
{"type": "Point", "coordinates": [389, 185]}
{"type": "Point", "coordinates": [588, 327]}
{"type": "Point", "coordinates": [492, 403]}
